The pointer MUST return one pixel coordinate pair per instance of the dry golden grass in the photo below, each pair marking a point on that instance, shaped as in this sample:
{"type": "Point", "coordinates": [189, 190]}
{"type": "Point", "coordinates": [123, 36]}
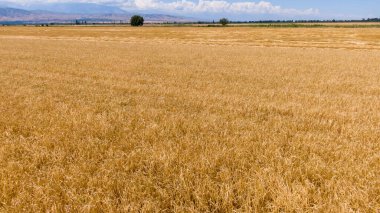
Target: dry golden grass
{"type": "Point", "coordinates": [189, 120]}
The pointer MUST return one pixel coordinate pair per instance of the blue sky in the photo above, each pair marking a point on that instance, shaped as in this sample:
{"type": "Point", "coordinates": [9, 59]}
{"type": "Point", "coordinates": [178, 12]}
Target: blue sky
{"type": "Point", "coordinates": [242, 9]}
{"type": "Point", "coordinates": [337, 8]}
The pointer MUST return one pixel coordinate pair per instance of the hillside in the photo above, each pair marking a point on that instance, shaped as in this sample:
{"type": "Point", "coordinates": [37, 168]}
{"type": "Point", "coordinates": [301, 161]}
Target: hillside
{"type": "Point", "coordinates": [12, 12]}
{"type": "Point", "coordinates": [88, 12]}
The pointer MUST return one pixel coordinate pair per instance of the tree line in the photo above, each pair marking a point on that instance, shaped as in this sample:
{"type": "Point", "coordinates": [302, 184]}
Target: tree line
{"type": "Point", "coordinates": [138, 20]}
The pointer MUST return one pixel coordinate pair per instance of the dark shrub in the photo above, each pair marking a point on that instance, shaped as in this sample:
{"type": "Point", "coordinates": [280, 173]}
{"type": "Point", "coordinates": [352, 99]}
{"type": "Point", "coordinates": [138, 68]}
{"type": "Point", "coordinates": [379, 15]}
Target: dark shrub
{"type": "Point", "coordinates": [224, 21]}
{"type": "Point", "coordinates": [137, 20]}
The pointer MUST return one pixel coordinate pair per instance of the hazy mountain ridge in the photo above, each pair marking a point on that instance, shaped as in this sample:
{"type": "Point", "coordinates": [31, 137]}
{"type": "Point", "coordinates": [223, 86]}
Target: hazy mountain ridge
{"type": "Point", "coordinates": [69, 12]}
{"type": "Point", "coordinates": [12, 12]}
{"type": "Point", "coordinates": [77, 8]}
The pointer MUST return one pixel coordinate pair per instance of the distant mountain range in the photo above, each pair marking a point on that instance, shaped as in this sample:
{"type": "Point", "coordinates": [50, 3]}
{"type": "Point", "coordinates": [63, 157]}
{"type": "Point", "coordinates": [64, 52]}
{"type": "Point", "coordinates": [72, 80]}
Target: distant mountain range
{"type": "Point", "coordinates": [76, 8]}
{"type": "Point", "coordinates": [70, 12]}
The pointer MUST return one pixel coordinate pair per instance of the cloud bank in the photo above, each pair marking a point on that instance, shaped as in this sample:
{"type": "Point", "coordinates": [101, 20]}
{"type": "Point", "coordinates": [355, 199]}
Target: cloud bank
{"type": "Point", "coordinates": [188, 6]}
{"type": "Point", "coordinates": [219, 6]}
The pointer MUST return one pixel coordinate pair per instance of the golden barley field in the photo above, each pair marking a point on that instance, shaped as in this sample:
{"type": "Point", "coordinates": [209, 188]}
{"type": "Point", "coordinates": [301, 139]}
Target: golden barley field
{"type": "Point", "coordinates": [189, 119]}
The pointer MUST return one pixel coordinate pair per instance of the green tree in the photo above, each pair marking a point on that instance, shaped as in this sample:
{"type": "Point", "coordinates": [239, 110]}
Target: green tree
{"type": "Point", "coordinates": [223, 21]}
{"type": "Point", "coordinates": [137, 20]}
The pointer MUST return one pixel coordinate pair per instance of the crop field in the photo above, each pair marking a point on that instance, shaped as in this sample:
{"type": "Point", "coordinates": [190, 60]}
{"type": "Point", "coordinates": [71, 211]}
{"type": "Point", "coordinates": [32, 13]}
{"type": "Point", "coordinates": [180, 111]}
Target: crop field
{"type": "Point", "coordinates": [189, 119]}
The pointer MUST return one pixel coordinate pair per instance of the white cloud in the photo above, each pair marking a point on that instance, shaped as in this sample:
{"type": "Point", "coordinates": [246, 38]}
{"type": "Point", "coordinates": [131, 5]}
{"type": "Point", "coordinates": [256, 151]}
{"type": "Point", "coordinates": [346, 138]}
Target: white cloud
{"type": "Point", "coordinates": [218, 6]}
{"type": "Point", "coordinates": [189, 6]}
